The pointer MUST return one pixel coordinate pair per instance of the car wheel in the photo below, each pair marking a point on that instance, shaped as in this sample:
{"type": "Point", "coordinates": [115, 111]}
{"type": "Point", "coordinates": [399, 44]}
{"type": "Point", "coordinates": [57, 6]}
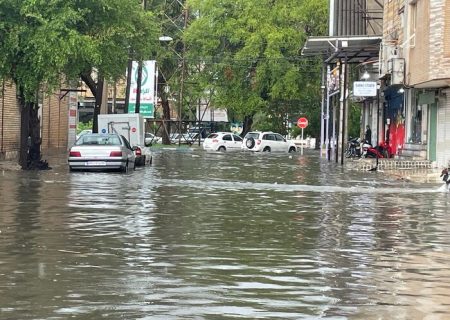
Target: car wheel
{"type": "Point", "coordinates": [125, 168]}
{"type": "Point", "coordinates": [222, 149]}
{"type": "Point", "coordinates": [292, 149]}
{"type": "Point", "coordinates": [266, 149]}
{"type": "Point", "coordinates": [250, 143]}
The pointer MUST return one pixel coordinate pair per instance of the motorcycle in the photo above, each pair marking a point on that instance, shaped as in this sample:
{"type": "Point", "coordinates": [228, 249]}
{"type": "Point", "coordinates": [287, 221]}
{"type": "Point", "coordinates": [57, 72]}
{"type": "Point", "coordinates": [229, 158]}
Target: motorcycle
{"type": "Point", "coordinates": [380, 151]}
{"type": "Point", "coordinates": [353, 148]}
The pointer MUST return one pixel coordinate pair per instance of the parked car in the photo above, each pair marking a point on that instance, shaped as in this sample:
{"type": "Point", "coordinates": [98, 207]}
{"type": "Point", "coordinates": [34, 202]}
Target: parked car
{"type": "Point", "coordinates": [95, 151]}
{"type": "Point", "coordinates": [150, 139]}
{"type": "Point", "coordinates": [267, 142]}
{"type": "Point", "coordinates": [83, 132]}
{"type": "Point", "coordinates": [222, 141]}
{"type": "Point", "coordinates": [182, 138]}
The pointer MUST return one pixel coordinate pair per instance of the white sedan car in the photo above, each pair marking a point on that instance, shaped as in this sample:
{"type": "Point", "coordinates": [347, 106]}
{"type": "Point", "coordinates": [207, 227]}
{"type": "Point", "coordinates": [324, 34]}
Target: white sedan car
{"type": "Point", "coordinates": [267, 142]}
{"type": "Point", "coordinates": [150, 139]}
{"type": "Point", "coordinates": [222, 141]}
{"type": "Point", "coordinates": [102, 152]}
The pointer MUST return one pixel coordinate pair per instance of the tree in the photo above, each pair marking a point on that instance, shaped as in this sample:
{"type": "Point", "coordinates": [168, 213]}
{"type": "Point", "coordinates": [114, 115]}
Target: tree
{"type": "Point", "coordinates": [173, 17]}
{"type": "Point", "coordinates": [43, 42]}
{"type": "Point", "coordinates": [250, 52]}
{"type": "Point", "coordinates": [115, 32]}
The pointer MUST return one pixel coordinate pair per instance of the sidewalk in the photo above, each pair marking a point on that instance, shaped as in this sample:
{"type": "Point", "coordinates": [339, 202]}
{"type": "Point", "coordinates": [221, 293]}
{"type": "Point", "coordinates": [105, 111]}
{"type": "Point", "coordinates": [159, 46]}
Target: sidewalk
{"type": "Point", "coordinates": [9, 165]}
{"type": "Point", "coordinates": [408, 170]}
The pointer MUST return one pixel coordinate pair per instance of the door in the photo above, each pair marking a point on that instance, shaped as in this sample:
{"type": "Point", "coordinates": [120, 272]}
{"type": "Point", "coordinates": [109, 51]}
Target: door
{"type": "Point", "coordinates": [237, 142]}
{"type": "Point", "coordinates": [433, 132]}
{"type": "Point", "coordinates": [282, 145]}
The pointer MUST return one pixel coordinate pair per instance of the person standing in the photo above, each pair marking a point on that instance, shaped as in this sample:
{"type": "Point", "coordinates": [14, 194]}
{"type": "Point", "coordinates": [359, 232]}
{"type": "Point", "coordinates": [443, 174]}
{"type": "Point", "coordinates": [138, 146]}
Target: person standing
{"type": "Point", "coordinates": [368, 135]}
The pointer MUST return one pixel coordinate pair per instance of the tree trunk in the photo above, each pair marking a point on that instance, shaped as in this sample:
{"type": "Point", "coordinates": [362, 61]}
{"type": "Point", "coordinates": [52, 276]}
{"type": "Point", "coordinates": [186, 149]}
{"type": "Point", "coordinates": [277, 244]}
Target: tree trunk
{"type": "Point", "coordinates": [166, 119]}
{"type": "Point", "coordinates": [30, 136]}
{"type": "Point", "coordinates": [97, 92]}
{"type": "Point", "coordinates": [247, 125]}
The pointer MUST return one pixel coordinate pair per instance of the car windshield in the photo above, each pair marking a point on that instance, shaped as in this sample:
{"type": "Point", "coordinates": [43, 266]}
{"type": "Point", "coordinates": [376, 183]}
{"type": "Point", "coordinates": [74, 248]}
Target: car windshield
{"type": "Point", "coordinates": [98, 139]}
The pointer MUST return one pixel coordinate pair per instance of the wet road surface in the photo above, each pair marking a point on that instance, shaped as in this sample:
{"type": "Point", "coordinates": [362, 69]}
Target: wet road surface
{"type": "Point", "coordinates": [222, 236]}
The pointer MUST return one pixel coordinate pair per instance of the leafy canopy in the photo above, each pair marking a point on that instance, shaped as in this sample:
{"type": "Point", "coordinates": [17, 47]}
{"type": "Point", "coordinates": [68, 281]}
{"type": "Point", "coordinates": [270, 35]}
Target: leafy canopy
{"type": "Point", "coordinates": [250, 52]}
{"type": "Point", "coordinates": [42, 40]}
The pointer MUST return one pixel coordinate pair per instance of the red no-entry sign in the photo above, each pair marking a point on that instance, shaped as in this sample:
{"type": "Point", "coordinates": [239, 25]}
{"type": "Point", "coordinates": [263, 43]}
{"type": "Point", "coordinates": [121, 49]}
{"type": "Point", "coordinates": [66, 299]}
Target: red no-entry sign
{"type": "Point", "coordinates": [302, 123]}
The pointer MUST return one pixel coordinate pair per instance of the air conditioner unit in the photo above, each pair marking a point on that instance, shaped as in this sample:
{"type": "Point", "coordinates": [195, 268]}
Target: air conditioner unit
{"type": "Point", "coordinates": [396, 68]}
{"type": "Point", "coordinates": [387, 53]}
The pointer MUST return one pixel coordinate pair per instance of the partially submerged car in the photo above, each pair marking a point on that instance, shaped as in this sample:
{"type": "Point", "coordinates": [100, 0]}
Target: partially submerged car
{"type": "Point", "coordinates": [267, 142]}
{"type": "Point", "coordinates": [95, 151]}
{"type": "Point", "coordinates": [222, 141]}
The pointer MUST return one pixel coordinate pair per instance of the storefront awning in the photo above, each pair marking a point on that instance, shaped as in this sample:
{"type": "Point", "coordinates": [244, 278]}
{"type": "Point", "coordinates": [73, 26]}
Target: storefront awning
{"type": "Point", "coordinates": [355, 49]}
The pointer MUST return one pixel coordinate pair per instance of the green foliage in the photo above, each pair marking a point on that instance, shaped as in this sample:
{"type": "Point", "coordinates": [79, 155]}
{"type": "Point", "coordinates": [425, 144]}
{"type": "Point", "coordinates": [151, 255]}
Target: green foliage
{"type": "Point", "coordinates": [84, 126]}
{"type": "Point", "coordinates": [42, 40]}
{"type": "Point", "coordinates": [250, 61]}
{"type": "Point", "coordinates": [354, 120]}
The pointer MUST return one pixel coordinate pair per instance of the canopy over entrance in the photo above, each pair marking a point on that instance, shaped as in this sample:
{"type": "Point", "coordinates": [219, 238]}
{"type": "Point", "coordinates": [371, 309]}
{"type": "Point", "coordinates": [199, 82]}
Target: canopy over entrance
{"type": "Point", "coordinates": [355, 49]}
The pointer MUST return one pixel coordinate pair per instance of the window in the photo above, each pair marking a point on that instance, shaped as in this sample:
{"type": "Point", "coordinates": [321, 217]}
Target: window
{"type": "Point", "coordinates": [227, 137]}
{"type": "Point", "coordinates": [279, 137]}
{"type": "Point", "coordinates": [270, 137]}
{"type": "Point", "coordinates": [413, 12]}
{"type": "Point", "coordinates": [237, 138]}
{"type": "Point", "coordinates": [254, 135]}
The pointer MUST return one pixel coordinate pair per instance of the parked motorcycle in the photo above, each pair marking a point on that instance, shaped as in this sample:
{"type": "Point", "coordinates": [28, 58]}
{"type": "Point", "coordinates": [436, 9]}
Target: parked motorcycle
{"type": "Point", "coordinates": [380, 151]}
{"type": "Point", "coordinates": [353, 148]}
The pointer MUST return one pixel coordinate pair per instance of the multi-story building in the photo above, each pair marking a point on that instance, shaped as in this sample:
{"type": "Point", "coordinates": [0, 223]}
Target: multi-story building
{"type": "Point", "coordinates": [416, 69]}
{"type": "Point", "coordinates": [353, 42]}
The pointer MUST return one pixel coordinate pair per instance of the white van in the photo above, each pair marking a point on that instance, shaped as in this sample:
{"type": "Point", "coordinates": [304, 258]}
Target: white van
{"type": "Point", "coordinates": [132, 127]}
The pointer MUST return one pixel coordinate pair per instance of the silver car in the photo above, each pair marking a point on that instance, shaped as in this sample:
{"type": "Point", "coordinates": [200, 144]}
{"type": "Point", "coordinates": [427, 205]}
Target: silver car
{"type": "Point", "coordinates": [102, 152]}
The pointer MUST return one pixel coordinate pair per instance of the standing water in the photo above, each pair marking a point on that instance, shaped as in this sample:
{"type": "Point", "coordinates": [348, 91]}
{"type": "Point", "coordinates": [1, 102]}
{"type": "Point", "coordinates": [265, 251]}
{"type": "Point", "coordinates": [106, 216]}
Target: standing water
{"type": "Point", "coordinates": [222, 236]}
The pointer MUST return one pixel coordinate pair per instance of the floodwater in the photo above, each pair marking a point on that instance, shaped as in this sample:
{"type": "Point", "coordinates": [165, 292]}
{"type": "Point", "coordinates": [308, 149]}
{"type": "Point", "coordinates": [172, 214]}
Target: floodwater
{"type": "Point", "coordinates": [223, 236]}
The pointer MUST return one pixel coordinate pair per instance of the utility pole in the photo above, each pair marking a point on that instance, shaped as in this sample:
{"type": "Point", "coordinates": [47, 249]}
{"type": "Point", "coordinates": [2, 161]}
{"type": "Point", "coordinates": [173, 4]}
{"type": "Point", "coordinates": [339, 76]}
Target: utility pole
{"type": "Point", "coordinates": [183, 68]}
{"type": "Point", "coordinates": [137, 108]}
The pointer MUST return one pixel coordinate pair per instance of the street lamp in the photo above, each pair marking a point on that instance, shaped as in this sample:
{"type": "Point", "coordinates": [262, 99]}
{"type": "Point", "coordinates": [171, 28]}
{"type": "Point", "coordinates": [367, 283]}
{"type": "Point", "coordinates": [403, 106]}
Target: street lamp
{"type": "Point", "coordinates": [365, 76]}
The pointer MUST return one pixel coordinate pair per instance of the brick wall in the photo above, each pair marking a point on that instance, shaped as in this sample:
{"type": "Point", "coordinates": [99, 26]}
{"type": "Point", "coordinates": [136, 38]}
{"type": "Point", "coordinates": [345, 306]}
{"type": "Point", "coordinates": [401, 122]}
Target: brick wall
{"type": "Point", "coordinates": [392, 22]}
{"type": "Point", "coordinates": [54, 122]}
{"type": "Point", "coordinates": [9, 122]}
{"type": "Point", "coordinates": [429, 59]}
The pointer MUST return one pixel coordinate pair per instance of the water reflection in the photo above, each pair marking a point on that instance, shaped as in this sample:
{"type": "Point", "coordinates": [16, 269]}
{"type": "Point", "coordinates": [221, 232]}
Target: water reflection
{"type": "Point", "coordinates": [221, 236]}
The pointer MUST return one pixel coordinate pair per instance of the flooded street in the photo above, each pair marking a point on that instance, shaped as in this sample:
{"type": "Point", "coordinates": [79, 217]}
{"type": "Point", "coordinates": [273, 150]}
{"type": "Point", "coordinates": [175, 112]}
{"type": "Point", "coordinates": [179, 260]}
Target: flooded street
{"type": "Point", "coordinates": [223, 236]}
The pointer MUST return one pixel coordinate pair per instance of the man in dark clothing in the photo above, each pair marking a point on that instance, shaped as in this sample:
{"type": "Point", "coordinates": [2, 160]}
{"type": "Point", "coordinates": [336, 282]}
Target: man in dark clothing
{"type": "Point", "coordinates": [444, 175]}
{"type": "Point", "coordinates": [368, 135]}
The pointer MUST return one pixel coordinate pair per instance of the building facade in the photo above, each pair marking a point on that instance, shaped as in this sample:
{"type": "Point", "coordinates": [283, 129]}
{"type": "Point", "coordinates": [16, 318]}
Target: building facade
{"type": "Point", "coordinates": [415, 66]}
{"type": "Point", "coordinates": [54, 120]}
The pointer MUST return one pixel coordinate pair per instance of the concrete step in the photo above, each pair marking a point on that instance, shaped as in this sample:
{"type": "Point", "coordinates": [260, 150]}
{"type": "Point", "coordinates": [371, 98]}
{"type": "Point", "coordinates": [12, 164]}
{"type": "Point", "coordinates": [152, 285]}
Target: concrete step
{"type": "Point", "coordinates": [388, 164]}
{"type": "Point", "coordinates": [413, 151]}
{"type": "Point", "coordinates": [415, 146]}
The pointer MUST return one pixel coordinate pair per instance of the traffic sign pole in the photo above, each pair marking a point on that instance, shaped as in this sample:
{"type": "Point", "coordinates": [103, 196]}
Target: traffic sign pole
{"type": "Point", "coordinates": [301, 144]}
{"type": "Point", "coordinates": [302, 123]}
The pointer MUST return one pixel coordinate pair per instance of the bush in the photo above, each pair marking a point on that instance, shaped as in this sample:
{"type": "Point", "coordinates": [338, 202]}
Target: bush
{"type": "Point", "coordinates": [84, 126]}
